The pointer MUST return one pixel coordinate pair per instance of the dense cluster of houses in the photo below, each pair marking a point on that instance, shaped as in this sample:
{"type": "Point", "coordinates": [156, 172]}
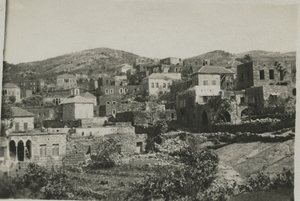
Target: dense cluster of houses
{"type": "Point", "coordinates": [78, 112]}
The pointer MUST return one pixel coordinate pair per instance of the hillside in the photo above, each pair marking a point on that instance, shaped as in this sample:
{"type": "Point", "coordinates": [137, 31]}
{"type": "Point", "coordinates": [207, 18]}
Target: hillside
{"type": "Point", "coordinates": [222, 58]}
{"type": "Point", "coordinates": [217, 57]}
{"type": "Point", "coordinates": [87, 61]}
{"type": "Point", "coordinates": [101, 60]}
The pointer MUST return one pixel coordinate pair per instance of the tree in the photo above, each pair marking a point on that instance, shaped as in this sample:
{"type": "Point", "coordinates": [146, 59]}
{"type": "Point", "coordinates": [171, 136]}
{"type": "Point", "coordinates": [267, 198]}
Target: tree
{"type": "Point", "coordinates": [6, 114]}
{"type": "Point", "coordinates": [245, 59]}
{"type": "Point", "coordinates": [33, 101]}
{"type": "Point", "coordinates": [12, 99]}
{"type": "Point", "coordinates": [6, 111]}
{"type": "Point", "coordinates": [218, 108]}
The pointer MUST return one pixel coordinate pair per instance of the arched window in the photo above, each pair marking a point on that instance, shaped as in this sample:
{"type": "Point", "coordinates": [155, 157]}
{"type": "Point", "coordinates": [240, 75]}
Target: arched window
{"type": "Point", "coordinates": [111, 91]}
{"type": "Point", "coordinates": [20, 151]}
{"type": "Point", "coordinates": [106, 90]}
{"type": "Point", "coordinates": [28, 149]}
{"type": "Point", "coordinates": [121, 91]}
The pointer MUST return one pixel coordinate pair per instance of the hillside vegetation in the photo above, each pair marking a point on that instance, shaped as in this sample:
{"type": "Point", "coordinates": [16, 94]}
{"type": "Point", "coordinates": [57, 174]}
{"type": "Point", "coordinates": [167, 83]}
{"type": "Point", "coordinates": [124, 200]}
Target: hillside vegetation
{"type": "Point", "coordinates": [100, 60]}
{"type": "Point", "coordinates": [88, 61]}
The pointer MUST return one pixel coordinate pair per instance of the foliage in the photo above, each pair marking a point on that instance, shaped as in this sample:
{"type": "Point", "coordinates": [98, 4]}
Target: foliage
{"type": "Point", "coordinates": [218, 108]}
{"type": "Point", "coordinates": [159, 127]}
{"type": "Point", "coordinates": [184, 181]}
{"type": "Point", "coordinates": [245, 59]}
{"type": "Point", "coordinates": [9, 187]}
{"type": "Point", "coordinates": [106, 154]}
{"type": "Point", "coordinates": [12, 99]}
{"type": "Point", "coordinates": [35, 100]}
{"type": "Point", "coordinates": [37, 181]}
{"type": "Point", "coordinates": [6, 112]}
{"type": "Point", "coordinates": [134, 79]}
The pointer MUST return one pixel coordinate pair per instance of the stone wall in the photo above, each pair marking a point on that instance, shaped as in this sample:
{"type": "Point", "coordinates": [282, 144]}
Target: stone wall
{"type": "Point", "coordinates": [21, 121]}
{"type": "Point", "coordinates": [40, 141]}
{"type": "Point", "coordinates": [175, 89]}
{"type": "Point", "coordinates": [263, 72]}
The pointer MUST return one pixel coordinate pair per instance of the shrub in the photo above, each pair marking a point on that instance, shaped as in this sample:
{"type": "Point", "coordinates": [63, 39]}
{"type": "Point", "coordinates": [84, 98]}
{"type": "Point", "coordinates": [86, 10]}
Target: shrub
{"type": "Point", "coordinates": [184, 181]}
{"type": "Point", "coordinates": [106, 155]}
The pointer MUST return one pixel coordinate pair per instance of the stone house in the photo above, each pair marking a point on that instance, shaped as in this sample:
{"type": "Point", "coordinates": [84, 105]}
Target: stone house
{"type": "Point", "coordinates": [191, 103]}
{"type": "Point", "coordinates": [33, 85]}
{"type": "Point", "coordinates": [22, 120]}
{"type": "Point", "coordinates": [116, 106]}
{"type": "Point", "coordinates": [9, 89]}
{"type": "Point", "coordinates": [36, 147]}
{"type": "Point", "coordinates": [171, 61]}
{"type": "Point", "coordinates": [123, 68]}
{"type": "Point", "coordinates": [196, 62]}
{"type": "Point", "coordinates": [179, 87]}
{"type": "Point", "coordinates": [66, 81]}
{"type": "Point", "coordinates": [257, 96]}
{"type": "Point", "coordinates": [265, 79]}
{"type": "Point", "coordinates": [89, 96]}
{"type": "Point", "coordinates": [25, 93]}
{"type": "Point", "coordinates": [263, 73]}
{"type": "Point", "coordinates": [42, 113]}
{"type": "Point", "coordinates": [77, 108]}
{"type": "Point", "coordinates": [159, 82]}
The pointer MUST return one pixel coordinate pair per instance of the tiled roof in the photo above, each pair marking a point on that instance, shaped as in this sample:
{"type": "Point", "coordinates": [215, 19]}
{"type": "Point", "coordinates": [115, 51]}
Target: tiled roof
{"type": "Point", "coordinates": [214, 70]}
{"type": "Point", "coordinates": [9, 85]}
{"type": "Point", "coordinates": [77, 99]}
{"type": "Point", "coordinates": [88, 95]}
{"type": "Point", "coordinates": [66, 76]}
{"type": "Point", "coordinates": [124, 66]}
{"type": "Point", "coordinates": [19, 112]}
{"type": "Point", "coordinates": [159, 76]}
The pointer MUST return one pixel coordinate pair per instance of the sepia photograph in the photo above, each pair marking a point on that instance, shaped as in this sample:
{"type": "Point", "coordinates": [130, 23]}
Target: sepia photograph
{"type": "Point", "coordinates": [125, 100]}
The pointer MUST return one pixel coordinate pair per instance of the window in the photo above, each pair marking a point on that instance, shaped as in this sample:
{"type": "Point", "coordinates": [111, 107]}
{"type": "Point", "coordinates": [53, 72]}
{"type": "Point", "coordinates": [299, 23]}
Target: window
{"type": "Point", "coordinates": [271, 74]}
{"type": "Point", "coordinates": [164, 85]}
{"type": "Point", "coordinates": [114, 102]}
{"type": "Point", "coordinates": [242, 99]}
{"type": "Point", "coordinates": [179, 69]}
{"type": "Point", "coordinates": [106, 90]}
{"type": "Point", "coordinates": [213, 82]}
{"type": "Point", "coordinates": [205, 99]}
{"type": "Point", "coordinates": [196, 63]}
{"type": "Point", "coordinates": [262, 74]}
{"type": "Point", "coordinates": [55, 150]}
{"type": "Point", "coordinates": [157, 85]}
{"type": "Point", "coordinates": [111, 91]}
{"type": "Point", "coordinates": [113, 112]}
{"type": "Point", "coordinates": [25, 126]}
{"type": "Point", "coordinates": [205, 82]}
{"type": "Point", "coordinates": [107, 103]}
{"type": "Point", "coordinates": [176, 70]}
{"type": "Point", "coordinates": [242, 77]}
{"type": "Point", "coordinates": [152, 85]}
{"type": "Point", "coordinates": [126, 90]}
{"type": "Point", "coordinates": [121, 91]}
{"type": "Point", "coordinates": [281, 75]}
{"type": "Point", "coordinates": [17, 126]}
{"type": "Point", "coordinates": [248, 76]}
{"type": "Point", "coordinates": [43, 150]}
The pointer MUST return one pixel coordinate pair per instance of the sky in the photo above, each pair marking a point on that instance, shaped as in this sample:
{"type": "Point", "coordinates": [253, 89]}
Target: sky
{"type": "Point", "coordinates": [41, 29]}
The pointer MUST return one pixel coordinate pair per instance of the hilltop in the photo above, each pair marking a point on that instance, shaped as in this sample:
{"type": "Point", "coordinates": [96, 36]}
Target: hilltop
{"type": "Point", "coordinates": [87, 61]}
{"type": "Point", "coordinates": [104, 60]}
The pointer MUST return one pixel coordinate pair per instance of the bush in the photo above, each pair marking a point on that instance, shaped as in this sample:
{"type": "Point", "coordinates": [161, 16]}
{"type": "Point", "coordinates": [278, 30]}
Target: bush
{"type": "Point", "coordinates": [184, 181]}
{"type": "Point", "coordinates": [106, 156]}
